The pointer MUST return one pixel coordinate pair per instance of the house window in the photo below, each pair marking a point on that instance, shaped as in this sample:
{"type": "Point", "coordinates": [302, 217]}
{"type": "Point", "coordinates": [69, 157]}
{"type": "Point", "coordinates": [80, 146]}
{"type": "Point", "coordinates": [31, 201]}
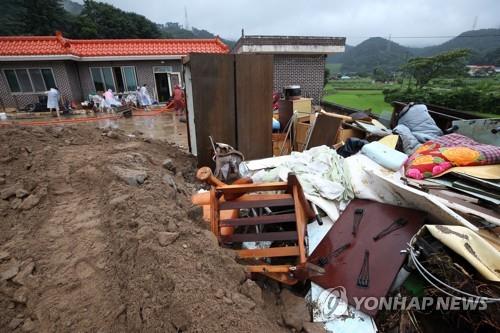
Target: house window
{"type": "Point", "coordinates": [130, 80]}
{"type": "Point", "coordinates": [119, 79]}
{"type": "Point", "coordinates": [103, 78]}
{"type": "Point", "coordinates": [12, 80]}
{"type": "Point", "coordinates": [31, 80]}
{"type": "Point", "coordinates": [37, 79]}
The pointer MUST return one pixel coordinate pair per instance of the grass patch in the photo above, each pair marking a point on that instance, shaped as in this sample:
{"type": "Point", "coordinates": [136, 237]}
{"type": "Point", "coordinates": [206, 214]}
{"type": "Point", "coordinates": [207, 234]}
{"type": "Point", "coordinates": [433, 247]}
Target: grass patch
{"type": "Point", "coordinates": [361, 83]}
{"type": "Point", "coordinates": [360, 99]}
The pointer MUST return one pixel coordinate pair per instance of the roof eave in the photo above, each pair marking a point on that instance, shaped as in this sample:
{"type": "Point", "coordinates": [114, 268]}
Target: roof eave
{"type": "Point", "coordinates": [137, 57]}
{"type": "Point", "coordinates": [290, 49]}
{"type": "Point", "coordinates": [47, 57]}
{"type": "Point", "coordinates": [89, 58]}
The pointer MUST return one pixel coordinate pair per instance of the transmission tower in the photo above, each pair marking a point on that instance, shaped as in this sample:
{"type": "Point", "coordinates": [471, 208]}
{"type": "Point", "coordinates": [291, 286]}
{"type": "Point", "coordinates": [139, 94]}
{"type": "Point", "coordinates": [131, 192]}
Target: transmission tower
{"type": "Point", "coordinates": [186, 22]}
{"type": "Point", "coordinates": [474, 24]}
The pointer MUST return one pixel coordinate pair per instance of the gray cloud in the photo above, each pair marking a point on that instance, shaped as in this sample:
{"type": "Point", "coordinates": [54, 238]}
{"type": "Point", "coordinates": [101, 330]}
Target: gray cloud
{"type": "Point", "coordinates": [354, 19]}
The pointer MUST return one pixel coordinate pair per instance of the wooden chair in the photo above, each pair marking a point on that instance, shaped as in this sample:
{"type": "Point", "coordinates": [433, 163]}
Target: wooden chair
{"type": "Point", "coordinates": [292, 248]}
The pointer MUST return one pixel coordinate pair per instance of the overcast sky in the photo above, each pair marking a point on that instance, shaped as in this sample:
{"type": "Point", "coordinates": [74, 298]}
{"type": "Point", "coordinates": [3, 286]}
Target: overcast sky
{"type": "Point", "coordinates": [354, 19]}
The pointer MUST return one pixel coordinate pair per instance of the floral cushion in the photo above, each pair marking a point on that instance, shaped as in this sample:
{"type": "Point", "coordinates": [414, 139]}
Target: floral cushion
{"type": "Point", "coordinates": [447, 151]}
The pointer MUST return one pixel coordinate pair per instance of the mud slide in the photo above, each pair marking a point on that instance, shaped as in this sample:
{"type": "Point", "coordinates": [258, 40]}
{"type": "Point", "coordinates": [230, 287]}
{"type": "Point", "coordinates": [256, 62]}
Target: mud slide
{"type": "Point", "coordinates": [97, 234]}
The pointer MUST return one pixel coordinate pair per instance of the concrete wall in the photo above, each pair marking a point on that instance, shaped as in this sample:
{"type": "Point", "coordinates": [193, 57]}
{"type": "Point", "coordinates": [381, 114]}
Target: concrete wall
{"type": "Point", "coordinates": [64, 81]}
{"type": "Point", "coordinates": [143, 69]}
{"type": "Point", "coordinates": [304, 70]}
{"type": "Point", "coordinates": [74, 80]}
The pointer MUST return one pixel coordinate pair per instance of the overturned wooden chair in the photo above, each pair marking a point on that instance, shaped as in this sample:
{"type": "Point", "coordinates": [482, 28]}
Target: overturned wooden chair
{"type": "Point", "coordinates": [287, 255]}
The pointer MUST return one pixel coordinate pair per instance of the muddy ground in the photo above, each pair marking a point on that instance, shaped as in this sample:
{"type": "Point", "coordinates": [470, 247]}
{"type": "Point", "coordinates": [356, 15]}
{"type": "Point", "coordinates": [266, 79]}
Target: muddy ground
{"type": "Point", "coordinates": [97, 234]}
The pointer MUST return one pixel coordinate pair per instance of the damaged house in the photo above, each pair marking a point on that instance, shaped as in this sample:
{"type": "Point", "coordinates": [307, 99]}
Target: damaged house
{"type": "Point", "coordinates": [31, 65]}
{"type": "Point", "coordinates": [298, 60]}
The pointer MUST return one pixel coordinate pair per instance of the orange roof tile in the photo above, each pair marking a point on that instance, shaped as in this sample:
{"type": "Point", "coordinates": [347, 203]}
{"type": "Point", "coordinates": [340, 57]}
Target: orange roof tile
{"type": "Point", "coordinates": [58, 45]}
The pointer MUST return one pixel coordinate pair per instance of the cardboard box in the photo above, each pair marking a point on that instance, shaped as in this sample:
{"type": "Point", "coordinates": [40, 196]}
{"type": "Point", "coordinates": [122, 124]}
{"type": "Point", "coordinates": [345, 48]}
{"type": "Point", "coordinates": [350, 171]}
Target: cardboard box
{"type": "Point", "coordinates": [303, 106]}
{"type": "Point", "coordinates": [278, 139]}
{"type": "Point", "coordinates": [301, 132]}
{"type": "Point", "coordinates": [346, 133]}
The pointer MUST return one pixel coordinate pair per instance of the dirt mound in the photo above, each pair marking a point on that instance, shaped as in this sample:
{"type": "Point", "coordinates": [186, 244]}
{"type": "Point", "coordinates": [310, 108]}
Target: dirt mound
{"type": "Point", "coordinates": [97, 234]}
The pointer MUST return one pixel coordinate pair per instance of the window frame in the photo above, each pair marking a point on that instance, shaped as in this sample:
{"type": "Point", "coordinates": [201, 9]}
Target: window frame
{"type": "Point", "coordinates": [170, 81]}
{"type": "Point", "coordinates": [99, 68]}
{"type": "Point", "coordinates": [28, 69]}
{"type": "Point", "coordinates": [41, 77]}
{"type": "Point", "coordinates": [124, 79]}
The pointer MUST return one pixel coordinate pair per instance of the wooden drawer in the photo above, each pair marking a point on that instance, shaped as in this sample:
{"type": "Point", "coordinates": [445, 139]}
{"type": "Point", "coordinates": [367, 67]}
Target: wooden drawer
{"type": "Point", "coordinates": [301, 132]}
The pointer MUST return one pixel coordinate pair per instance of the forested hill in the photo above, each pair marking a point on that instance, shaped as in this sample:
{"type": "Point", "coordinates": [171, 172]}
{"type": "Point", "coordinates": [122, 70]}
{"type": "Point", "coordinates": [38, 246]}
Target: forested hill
{"type": "Point", "coordinates": [93, 19]}
{"type": "Point", "coordinates": [373, 52]}
{"type": "Point", "coordinates": [380, 52]}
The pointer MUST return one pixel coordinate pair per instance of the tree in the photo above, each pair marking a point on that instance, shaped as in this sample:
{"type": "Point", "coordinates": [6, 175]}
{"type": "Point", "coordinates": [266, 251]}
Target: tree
{"type": "Point", "coordinates": [493, 57]}
{"type": "Point", "coordinates": [11, 18]}
{"type": "Point", "coordinates": [424, 69]}
{"type": "Point", "coordinates": [326, 76]}
{"type": "Point", "coordinates": [379, 74]}
{"type": "Point", "coordinates": [100, 20]}
{"type": "Point", "coordinates": [44, 17]}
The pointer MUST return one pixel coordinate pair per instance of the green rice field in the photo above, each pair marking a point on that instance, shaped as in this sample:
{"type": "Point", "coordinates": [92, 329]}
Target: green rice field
{"type": "Point", "coordinates": [359, 99]}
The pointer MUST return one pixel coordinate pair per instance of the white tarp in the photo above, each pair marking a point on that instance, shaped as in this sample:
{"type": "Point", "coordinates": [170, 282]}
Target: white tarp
{"type": "Point", "coordinates": [373, 182]}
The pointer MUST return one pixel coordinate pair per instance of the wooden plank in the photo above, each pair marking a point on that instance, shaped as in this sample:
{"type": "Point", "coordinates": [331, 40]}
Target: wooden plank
{"type": "Point", "coordinates": [301, 224]}
{"type": "Point", "coordinates": [324, 131]}
{"type": "Point", "coordinates": [265, 236]}
{"type": "Point", "coordinates": [255, 203]}
{"type": "Point", "coordinates": [267, 268]}
{"type": "Point", "coordinates": [259, 197]}
{"type": "Point", "coordinates": [244, 188]}
{"type": "Point", "coordinates": [214, 212]}
{"type": "Point", "coordinates": [256, 220]}
{"type": "Point", "coordinates": [213, 99]}
{"type": "Point", "coordinates": [289, 251]}
{"type": "Point", "coordinates": [254, 89]}
{"type": "Point", "coordinates": [293, 182]}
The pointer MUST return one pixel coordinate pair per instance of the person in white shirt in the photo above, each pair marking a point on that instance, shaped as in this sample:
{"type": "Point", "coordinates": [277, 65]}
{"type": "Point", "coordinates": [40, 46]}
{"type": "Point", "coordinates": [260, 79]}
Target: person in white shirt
{"type": "Point", "coordinates": [53, 96]}
{"type": "Point", "coordinates": [145, 98]}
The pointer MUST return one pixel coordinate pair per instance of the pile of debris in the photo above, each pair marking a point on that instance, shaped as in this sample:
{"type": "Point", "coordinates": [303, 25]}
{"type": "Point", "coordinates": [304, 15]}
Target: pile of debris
{"type": "Point", "coordinates": [97, 233]}
{"type": "Point", "coordinates": [357, 229]}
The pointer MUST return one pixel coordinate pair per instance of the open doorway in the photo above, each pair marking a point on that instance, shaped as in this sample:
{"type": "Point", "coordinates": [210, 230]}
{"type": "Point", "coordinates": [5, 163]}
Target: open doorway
{"type": "Point", "coordinates": [162, 87]}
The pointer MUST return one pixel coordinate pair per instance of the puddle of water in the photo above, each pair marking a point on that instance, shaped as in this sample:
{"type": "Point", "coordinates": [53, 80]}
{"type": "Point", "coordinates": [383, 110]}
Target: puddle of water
{"type": "Point", "coordinates": [161, 127]}
{"type": "Point", "coordinates": [164, 126]}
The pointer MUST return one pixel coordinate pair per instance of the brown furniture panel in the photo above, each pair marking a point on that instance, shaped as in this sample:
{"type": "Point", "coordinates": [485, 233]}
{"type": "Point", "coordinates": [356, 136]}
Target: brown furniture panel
{"type": "Point", "coordinates": [212, 79]}
{"type": "Point", "coordinates": [385, 258]}
{"type": "Point", "coordinates": [254, 88]}
{"type": "Point", "coordinates": [324, 131]}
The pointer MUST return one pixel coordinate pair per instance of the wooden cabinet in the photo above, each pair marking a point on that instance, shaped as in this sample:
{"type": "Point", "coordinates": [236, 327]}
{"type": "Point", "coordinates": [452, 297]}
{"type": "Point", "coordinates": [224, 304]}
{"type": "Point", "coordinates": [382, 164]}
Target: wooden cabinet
{"type": "Point", "coordinates": [229, 97]}
{"type": "Point", "coordinates": [303, 106]}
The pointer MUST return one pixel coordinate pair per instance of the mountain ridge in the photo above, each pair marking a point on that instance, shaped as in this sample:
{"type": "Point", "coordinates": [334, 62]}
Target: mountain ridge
{"type": "Point", "coordinates": [380, 52]}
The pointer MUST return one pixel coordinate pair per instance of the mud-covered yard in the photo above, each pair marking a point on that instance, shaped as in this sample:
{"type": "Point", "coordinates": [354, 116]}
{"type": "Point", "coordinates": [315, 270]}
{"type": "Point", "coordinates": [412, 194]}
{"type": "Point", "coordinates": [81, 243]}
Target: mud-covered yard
{"type": "Point", "coordinates": [97, 234]}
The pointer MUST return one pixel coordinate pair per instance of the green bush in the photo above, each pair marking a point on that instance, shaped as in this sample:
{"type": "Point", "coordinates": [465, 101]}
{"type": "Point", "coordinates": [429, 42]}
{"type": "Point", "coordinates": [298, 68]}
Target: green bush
{"type": "Point", "coordinates": [466, 99]}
